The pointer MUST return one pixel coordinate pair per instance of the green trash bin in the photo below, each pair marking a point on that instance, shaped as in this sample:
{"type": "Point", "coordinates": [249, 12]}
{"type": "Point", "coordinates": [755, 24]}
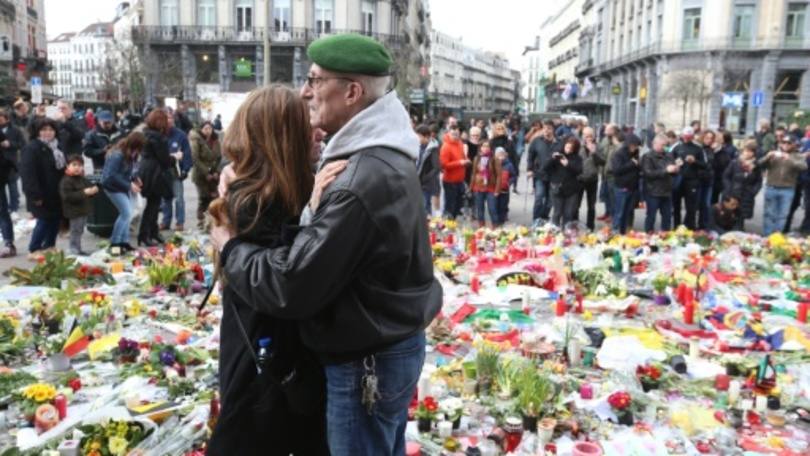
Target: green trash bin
{"type": "Point", "coordinates": [101, 220]}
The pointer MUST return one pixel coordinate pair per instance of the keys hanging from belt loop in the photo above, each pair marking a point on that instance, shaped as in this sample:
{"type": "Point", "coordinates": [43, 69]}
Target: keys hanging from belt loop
{"type": "Point", "coordinates": [369, 383]}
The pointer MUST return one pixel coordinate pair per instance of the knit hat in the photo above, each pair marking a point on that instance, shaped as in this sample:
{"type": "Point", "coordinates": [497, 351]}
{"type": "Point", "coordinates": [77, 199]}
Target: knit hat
{"type": "Point", "coordinates": [351, 53]}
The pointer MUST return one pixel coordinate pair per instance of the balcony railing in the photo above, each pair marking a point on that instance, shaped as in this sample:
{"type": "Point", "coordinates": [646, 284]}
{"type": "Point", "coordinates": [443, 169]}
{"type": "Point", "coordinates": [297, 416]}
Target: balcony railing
{"type": "Point", "coordinates": [8, 10]}
{"type": "Point", "coordinates": [688, 46]}
{"type": "Point", "coordinates": [197, 34]}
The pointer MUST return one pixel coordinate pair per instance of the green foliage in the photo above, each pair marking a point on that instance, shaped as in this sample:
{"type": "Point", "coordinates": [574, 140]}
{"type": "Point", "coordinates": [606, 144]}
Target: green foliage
{"type": "Point", "coordinates": [535, 391]}
{"type": "Point", "coordinates": [51, 272]}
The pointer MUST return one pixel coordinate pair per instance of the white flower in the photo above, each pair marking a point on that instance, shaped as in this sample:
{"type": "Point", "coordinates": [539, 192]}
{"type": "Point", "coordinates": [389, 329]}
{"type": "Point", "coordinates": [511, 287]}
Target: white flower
{"type": "Point", "coordinates": [451, 406]}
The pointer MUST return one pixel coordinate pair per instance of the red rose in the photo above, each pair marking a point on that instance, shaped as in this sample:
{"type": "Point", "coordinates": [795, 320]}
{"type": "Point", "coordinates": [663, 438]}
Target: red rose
{"type": "Point", "coordinates": [75, 384]}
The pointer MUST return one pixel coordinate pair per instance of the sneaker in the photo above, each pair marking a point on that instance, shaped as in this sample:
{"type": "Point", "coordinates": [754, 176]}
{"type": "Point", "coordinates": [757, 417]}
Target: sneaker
{"type": "Point", "coordinates": [178, 227]}
{"type": "Point", "coordinates": [8, 252]}
{"type": "Point", "coordinates": [163, 227]}
{"type": "Point", "coordinates": [603, 218]}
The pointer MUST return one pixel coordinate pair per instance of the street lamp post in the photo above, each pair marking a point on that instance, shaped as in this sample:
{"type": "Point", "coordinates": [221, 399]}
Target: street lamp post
{"type": "Point", "coordinates": [267, 41]}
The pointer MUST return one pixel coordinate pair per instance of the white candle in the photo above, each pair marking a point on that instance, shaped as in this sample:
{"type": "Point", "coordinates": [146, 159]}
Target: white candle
{"type": "Point", "coordinates": [746, 405]}
{"type": "Point", "coordinates": [733, 392]}
{"type": "Point", "coordinates": [762, 403]}
{"type": "Point", "coordinates": [445, 429]}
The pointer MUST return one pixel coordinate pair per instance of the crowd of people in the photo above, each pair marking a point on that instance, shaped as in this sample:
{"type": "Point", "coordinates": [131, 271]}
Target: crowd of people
{"type": "Point", "coordinates": [132, 158]}
{"type": "Point", "coordinates": [698, 178]}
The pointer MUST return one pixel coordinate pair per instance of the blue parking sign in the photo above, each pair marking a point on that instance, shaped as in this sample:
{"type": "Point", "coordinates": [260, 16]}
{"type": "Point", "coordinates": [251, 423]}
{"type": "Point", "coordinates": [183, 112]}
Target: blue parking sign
{"type": "Point", "coordinates": [756, 98]}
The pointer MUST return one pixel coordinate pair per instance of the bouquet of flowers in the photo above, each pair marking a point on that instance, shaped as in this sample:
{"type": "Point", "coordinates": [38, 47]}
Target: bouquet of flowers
{"type": "Point", "coordinates": [34, 395]}
{"type": "Point", "coordinates": [452, 408]}
{"type": "Point", "coordinates": [112, 438]}
{"type": "Point", "coordinates": [128, 350]}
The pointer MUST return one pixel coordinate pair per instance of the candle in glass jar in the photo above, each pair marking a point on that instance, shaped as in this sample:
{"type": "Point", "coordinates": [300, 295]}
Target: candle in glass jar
{"type": "Point", "coordinates": [432, 237]}
{"type": "Point", "coordinates": [801, 312]}
{"type": "Point", "coordinates": [60, 402]}
{"type": "Point", "coordinates": [746, 404]}
{"type": "Point", "coordinates": [514, 433]}
{"type": "Point", "coordinates": [559, 309]}
{"type": "Point", "coordinates": [475, 284]}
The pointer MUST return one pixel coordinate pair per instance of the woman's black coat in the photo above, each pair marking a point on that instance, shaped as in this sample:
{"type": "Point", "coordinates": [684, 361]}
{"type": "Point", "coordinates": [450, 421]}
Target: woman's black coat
{"type": "Point", "coordinates": [256, 418]}
{"type": "Point", "coordinates": [153, 168]}
{"type": "Point", "coordinates": [40, 179]}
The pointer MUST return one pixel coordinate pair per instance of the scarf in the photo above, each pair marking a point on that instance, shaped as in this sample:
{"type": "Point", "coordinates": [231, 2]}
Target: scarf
{"type": "Point", "coordinates": [58, 156]}
{"type": "Point", "coordinates": [483, 167]}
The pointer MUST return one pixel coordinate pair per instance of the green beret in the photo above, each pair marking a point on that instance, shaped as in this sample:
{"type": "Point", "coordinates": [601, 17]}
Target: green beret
{"type": "Point", "coordinates": [351, 53]}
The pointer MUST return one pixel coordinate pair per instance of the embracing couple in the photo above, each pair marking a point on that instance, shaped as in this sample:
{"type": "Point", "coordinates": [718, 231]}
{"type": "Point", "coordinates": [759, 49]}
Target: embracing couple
{"type": "Point", "coordinates": [330, 274]}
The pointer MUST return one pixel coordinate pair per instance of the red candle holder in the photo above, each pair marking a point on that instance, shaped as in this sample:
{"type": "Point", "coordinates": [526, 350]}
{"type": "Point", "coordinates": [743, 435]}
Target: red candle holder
{"type": "Point", "coordinates": [514, 433]}
{"type": "Point", "coordinates": [722, 382]}
{"type": "Point", "coordinates": [801, 311]}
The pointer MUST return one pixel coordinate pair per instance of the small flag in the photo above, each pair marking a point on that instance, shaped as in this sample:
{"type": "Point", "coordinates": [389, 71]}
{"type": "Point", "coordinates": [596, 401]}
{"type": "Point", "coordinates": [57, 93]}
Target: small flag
{"type": "Point", "coordinates": [76, 343]}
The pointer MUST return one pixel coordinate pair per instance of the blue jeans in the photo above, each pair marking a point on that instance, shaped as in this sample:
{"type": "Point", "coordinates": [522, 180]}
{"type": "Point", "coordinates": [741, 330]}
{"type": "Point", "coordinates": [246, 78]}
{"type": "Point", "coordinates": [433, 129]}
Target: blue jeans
{"type": "Point", "coordinates": [503, 207]}
{"type": "Point", "coordinates": [655, 204]}
{"type": "Point", "coordinates": [122, 202]}
{"type": "Point", "coordinates": [428, 207]}
{"type": "Point", "coordinates": [453, 198]}
{"type": "Point", "coordinates": [179, 205]}
{"type": "Point", "coordinates": [607, 196]}
{"type": "Point", "coordinates": [13, 191]}
{"type": "Point", "coordinates": [491, 202]}
{"type": "Point", "coordinates": [351, 430]}
{"type": "Point", "coordinates": [777, 205]}
{"type": "Point", "coordinates": [624, 206]}
{"type": "Point", "coordinates": [6, 226]}
{"type": "Point", "coordinates": [542, 200]}
{"type": "Point", "coordinates": [44, 234]}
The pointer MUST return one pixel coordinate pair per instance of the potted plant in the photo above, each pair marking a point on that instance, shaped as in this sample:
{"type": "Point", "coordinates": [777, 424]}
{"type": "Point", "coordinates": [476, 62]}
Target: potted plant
{"type": "Point", "coordinates": [452, 408]}
{"type": "Point", "coordinates": [620, 402]}
{"type": "Point", "coordinates": [649, 375]}
{"type": "Point", "coordinates": [507, 377]}
{"type": "Point", "coordinates": [660, 283]}
{"type": "Point", "coordinates": [426, 413]}
{"type": "Point", "coordinates": [32, 396]}
{"type": "Point", "coordinates": [57, 361]}
{"type": "Point", "coordinates": [486, 365]}
{"type": "Point", "coordinates": [535, 392]}
{"type": "Point", "coordinates": [127, 351]}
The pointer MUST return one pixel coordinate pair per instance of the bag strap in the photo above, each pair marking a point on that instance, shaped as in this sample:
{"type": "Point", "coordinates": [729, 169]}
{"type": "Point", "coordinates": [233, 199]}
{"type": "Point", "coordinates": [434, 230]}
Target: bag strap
{"type": "Point", "coordinates": [242, 330]}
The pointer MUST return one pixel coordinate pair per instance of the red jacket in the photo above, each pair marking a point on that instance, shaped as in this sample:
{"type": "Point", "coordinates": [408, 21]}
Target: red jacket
{"type": "Point", "coordinates": [451, 158]}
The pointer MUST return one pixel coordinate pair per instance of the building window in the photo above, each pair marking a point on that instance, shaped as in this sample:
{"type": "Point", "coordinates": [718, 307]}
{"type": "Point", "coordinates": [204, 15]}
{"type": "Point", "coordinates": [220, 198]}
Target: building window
{"type": "Point", "coordinates": [244, 15]}
{"type": "Point", "coordinates": [367, 12]}
{"type": "Point", "coordinates": [169, 13]}
{"type": "Point", "coordinates": [794, 28]}
{"type": "Point", "coordinates": [206, 13]}
{"type": "Point", "coordinates": [743, 24]}
{"type": "Point", "coordinates": [281, 15]}
{"type": "Point", "coordinates": [691, 27]}
{"type": "Point", "coordinates": [324, 16]}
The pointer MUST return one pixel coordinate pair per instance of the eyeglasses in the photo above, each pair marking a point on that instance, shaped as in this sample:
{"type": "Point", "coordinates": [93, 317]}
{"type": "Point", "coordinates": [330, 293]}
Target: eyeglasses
{"type": "Point", "coordinates": [315, 81]}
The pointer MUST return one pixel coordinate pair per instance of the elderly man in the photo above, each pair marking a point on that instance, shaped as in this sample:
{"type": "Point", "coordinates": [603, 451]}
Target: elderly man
{"type": "Point", "coordinates": [359, 276]}
{"type": "Point", "coordinates": [99, 140]}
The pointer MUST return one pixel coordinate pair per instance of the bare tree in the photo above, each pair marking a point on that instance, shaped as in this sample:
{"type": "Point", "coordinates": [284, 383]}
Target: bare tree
{"type": "Point", "coordinates": [688, 86]}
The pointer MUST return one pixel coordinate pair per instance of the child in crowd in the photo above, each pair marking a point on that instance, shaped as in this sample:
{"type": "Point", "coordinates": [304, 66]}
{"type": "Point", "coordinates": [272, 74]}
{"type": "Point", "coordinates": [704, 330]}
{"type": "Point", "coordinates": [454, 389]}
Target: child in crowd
{"type": "Point", "coordinates": [508, 179]}
{"type": "Point", "coordinates": [76, 192]}
{"type": "Point", "coordinates": [725, 215]}
{"type": "Point", "coordinates": [485, 184]}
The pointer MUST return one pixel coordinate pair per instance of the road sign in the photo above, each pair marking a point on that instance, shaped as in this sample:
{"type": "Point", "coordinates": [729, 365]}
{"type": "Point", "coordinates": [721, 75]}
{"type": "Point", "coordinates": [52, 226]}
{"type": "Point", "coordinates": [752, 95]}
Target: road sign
{"type": "Point", "coordinates": [36, 90]}
{"type": "Point", "coordinates": [417, 96]}
{"type": "Point", "coordinates": [757, 98]}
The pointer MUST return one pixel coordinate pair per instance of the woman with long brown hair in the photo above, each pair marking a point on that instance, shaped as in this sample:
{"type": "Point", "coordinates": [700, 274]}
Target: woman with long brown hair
{"type": "Point", "coordinates": [154, 174]}
{"type": "Point", "coordinates": [119, 182]}
{"type": "Point", "coordinates": [280, 411]}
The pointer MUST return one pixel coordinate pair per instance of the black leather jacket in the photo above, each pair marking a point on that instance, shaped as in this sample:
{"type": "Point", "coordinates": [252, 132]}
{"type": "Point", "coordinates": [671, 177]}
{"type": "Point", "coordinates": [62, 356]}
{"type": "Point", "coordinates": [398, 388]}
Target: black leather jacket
{"type": "Point", "coordinates": [360, 276]}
